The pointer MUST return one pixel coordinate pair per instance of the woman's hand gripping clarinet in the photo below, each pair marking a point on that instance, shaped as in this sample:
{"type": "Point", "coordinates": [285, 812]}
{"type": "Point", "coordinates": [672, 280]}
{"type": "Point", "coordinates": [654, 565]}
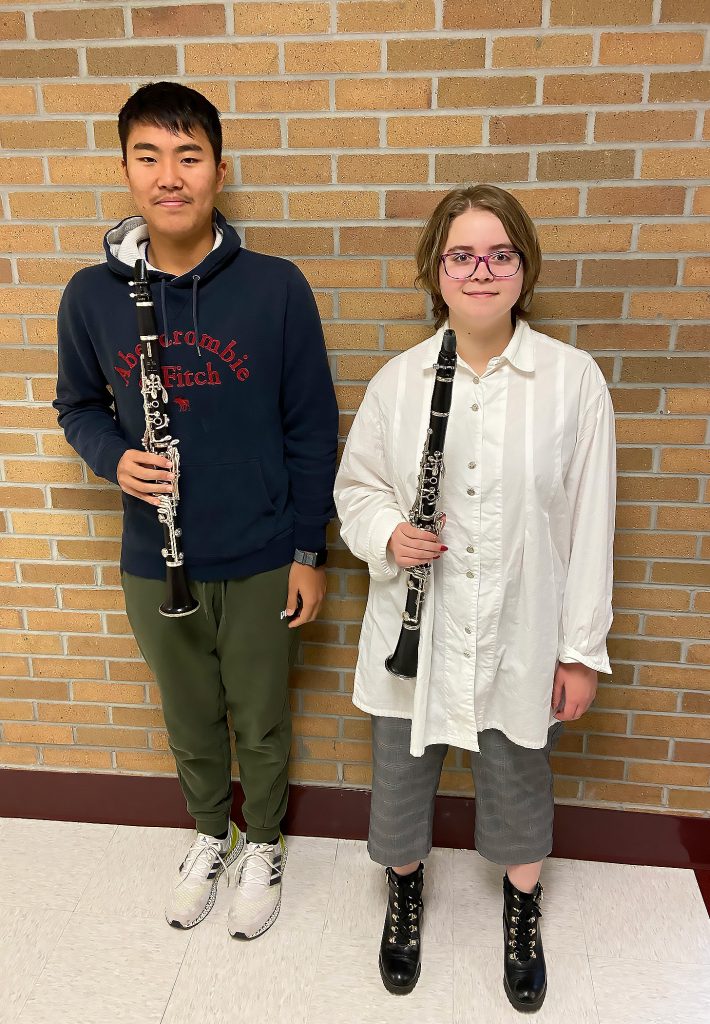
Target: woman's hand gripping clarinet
{"type": "Point", "coordinates": [424, 514]}
{"type": "Point", "coordinates": [158, 441]}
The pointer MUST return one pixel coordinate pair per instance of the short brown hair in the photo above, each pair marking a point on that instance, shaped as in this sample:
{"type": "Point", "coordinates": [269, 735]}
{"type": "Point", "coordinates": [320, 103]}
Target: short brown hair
{"type": "Point", "coordinates": [517, 223]}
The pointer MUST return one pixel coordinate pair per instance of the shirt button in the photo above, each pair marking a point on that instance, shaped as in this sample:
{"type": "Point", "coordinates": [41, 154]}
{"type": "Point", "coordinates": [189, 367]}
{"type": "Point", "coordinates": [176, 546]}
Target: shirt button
{"type": "Point", "coordinates": [467, 629]}
{"type": "Point", "coordinates": [470, 550]}
{"type": "Point", "coordinates": [470, 491]}
{"type": "Point", "coordinates": [470, 574]}
{"type": "Point", "coordinates": [472, 465]}
{"type": "Point", "coordinates": [466, 654]}
{"type": "Point", "coordinates": [475, 380]}
{"type": "Point", "coordinates": [474, 407]}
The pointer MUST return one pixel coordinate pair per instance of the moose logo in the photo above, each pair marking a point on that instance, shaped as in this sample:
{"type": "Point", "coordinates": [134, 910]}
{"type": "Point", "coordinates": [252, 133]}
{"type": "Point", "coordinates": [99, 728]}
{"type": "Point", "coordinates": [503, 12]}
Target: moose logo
{"type": "Point", "coordinates": [182, 404]}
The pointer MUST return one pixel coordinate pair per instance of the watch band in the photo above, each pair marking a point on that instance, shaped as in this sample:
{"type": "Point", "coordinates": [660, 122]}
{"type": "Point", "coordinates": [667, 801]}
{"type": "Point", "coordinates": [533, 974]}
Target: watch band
{"type": "Point", "coordinates": [312, 558]}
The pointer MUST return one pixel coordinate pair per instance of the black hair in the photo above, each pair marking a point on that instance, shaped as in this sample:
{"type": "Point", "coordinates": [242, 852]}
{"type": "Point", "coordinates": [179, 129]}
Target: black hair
{"type": "Point", "coordinates": [175, 107]}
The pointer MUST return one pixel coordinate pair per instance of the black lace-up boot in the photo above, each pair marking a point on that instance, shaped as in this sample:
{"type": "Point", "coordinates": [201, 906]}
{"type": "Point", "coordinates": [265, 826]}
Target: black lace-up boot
{"type": "Point", "coordinates": [524, 975]}
{"type": "Point", "coordinates": [400, 950]}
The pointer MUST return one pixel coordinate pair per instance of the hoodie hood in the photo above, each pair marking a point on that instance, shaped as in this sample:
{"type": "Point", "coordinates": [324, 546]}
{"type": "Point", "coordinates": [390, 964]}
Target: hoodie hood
{"type": "Point", "coordinates": [123, 245]}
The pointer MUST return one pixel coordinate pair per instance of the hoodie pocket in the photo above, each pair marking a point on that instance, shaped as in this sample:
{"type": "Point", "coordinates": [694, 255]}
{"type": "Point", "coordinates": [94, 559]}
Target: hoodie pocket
{"type": "Point", "coordinates": [225, 510]}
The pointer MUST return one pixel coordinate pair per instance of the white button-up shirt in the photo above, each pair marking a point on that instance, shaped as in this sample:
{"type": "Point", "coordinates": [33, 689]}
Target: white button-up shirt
{"type": "Point", "coordinates": [529, 495]}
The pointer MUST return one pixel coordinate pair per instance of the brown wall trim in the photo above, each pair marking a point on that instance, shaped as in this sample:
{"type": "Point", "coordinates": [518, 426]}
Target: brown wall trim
{"type": "Point", "coordinates": [581, 833]}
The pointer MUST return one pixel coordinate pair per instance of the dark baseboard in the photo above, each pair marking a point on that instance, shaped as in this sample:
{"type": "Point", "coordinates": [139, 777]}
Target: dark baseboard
{"type": "Point", "coordinates": [581, 833]}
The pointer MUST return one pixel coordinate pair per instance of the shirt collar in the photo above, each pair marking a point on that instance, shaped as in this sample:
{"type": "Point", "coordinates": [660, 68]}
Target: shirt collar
{"type": "Point", "coordinates": [519, 352]}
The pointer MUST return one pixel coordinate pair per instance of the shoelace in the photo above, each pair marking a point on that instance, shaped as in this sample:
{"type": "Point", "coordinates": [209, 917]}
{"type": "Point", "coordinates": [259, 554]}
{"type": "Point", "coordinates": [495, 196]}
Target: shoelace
{"type": "Point", "coordinates": [253, 871]}
{"type": "Point", "coordinates": [405, 926]}
{"type": "Point", "coordinates": [522, 934]}
{"type": "Point", "coordinates": [196, 866]}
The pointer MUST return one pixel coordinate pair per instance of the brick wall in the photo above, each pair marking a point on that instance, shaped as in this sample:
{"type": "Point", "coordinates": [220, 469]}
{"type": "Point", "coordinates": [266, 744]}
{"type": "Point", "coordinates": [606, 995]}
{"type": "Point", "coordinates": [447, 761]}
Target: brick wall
{"type": "Point", "coordinates": [344, 122]}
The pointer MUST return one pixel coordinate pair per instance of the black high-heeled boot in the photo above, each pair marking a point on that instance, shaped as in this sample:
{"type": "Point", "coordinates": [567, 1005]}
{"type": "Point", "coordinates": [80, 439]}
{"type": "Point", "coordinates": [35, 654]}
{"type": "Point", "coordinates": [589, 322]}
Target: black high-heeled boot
{"type": "Point", "coordinates": [400, 949]}
{"type": "Point", "coordinates": [524, 974]}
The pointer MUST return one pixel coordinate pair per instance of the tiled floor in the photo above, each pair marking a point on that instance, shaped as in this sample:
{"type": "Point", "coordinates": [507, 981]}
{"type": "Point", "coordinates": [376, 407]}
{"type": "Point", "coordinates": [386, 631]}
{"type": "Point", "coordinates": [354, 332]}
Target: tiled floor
{"type": "Point", "coordinates": [83, 939]}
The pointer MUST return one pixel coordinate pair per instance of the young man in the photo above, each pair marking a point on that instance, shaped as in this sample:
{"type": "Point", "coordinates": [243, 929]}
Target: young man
{"type": "Point", "coordinates": [251, 401]}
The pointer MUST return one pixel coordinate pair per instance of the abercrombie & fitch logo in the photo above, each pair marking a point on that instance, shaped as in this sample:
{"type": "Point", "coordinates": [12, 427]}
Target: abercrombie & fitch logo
{"type": "Point", "coordinates": [175, 376]}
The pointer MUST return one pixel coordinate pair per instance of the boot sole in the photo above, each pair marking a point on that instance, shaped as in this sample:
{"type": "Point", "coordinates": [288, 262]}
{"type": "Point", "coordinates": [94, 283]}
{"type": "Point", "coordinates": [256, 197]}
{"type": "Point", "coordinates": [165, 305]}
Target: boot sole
{"type": "Point", "coordinates": [212, 898]}
{"type": "Point", "coordinates": [399, 990]}
{"type": "Point", "coordinates": [523, 1007]}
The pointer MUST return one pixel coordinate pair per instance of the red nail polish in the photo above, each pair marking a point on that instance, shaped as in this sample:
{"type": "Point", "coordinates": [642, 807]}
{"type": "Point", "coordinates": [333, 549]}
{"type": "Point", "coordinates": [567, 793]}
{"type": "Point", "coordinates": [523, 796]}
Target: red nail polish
{"type": "Point", "coordinates": [444, 547]}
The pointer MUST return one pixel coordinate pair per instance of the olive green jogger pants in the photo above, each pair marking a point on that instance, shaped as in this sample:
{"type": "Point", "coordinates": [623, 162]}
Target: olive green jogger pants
{"type": "Point", "coordinates": [232, 654]}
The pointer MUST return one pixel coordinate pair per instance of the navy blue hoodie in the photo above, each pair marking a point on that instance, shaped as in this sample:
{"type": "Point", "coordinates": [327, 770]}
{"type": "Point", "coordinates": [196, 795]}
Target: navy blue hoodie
{"type": "Point", "coordinates": [250, 398]}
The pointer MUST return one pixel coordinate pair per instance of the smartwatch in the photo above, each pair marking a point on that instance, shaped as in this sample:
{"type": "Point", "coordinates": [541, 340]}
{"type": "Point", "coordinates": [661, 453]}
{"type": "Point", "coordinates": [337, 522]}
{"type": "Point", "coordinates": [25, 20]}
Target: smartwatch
{"type": "Point", "coordinates": [312, 558]}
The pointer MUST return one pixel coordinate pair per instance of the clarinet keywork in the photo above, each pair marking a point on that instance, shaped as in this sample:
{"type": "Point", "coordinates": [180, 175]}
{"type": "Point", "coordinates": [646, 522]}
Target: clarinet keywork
{"type": "Point", "coordinates": [424, 513]}
{"type": "Point", "coordinates": [158, 440]}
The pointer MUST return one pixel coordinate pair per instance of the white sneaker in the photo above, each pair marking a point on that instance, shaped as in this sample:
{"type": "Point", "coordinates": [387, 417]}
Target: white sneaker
{"type": "Point", "coordinates": [257, 900]}
{"type": "Point", "coordinates": [195, 891]}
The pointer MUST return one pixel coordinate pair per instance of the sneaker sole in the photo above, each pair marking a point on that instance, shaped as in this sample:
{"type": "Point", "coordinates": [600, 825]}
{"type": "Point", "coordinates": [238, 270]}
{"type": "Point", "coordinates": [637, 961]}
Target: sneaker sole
{"type": "Point", "coordinates": [236, 852]}
{"type": "Point", "coordinates": [267, 924]}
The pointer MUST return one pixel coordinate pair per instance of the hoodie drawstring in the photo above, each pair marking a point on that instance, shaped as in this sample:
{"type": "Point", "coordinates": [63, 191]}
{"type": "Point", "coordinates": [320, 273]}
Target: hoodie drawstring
{"type": "Point", "coordinates": [195, 280]}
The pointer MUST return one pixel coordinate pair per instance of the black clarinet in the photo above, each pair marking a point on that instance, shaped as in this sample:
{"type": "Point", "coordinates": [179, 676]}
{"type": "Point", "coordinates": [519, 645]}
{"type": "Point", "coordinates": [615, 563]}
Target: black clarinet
{"type": "Point", "coordinates": [424, 514]}
{"type": "Point", "coordinates": [158, 441]}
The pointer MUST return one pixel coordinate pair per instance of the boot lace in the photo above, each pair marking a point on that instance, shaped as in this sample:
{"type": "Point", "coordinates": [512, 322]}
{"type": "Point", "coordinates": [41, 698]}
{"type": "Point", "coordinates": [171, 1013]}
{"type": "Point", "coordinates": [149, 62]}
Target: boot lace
{"type": "Point", "coordinates": [404, 926]}
{"type": "Point", "coordinates": [522, 933]}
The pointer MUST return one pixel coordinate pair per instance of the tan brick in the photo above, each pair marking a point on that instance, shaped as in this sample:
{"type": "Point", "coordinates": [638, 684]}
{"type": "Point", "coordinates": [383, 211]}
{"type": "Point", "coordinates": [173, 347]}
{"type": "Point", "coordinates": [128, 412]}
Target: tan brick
{"type": "Point", "coordinates": [340, 273]}
{"type": "Point", "coordinates": [697, 272]}
{"type": "Point", "coordinates": [601, 12]}
{"type": "Point", "coordinates": [616, 200]}
{"type": "Point", "coordinates": [644, 125]}
{"type": "Point", "coordinates": [381, 306]}
{"type": "Point", "coordinates": [687, 400]}
{"type": "Point", "coordinates": [133, 60]}
{"type": "Point", "coordinates": [251, 133]}
{"type": "Point", "coordinates": [401, 273]}
{"type": "Point", "coordinates": [585, 165]}
{"type": "Point", "coordinates": [111, 737]}
{"type": "Point", "coordinates": [593, 88]}
{"type": "Point", "coordinates": [383, 94]}
{"type": "Point", "coordinates": [378, 241]}
{"type": "Point", "coordinates": [659, 432]}
{"type": "Point", "coordinates": [689, 799]}
{"type": "Point", "coordinates": [72, 714]}
{"type": "Point", "coordinates": [679, 87]}
{"type": "Point", "coordinates": [695, 626]}
{"type": "Point", "coordinates": [445, 54]}
{"type": "Point", "coordinates": [382, 168]}
{"type": "Point", "coordinates": [18, 99]}
{"type": "Point", "coordinates": [334, 56]}
{"type": "Point", "coordinates": [14, 666]}
{"type": "Point", "coordinates": [87, 498]}
{"type": "Point", "coordinates": [622, 792]}
{"type": "Point", "coordinates": [52, 205]}
{"type": "Point", "coordinates": [351, 336]}
{"type": "Point", "coordinates": [584, 238]}
{"type": "Point", "coordinates": [49, 271]}
{"type": "Point", "coordinates": [488, 91]}
{"type": "Point", "coordinates": [701, 201]}
{"type": "Point", "coordinates": [574, 304]}
{"type": "Point", "coordinates": [244, 206]}
{"type": "Point", "coordinates": [21, 170]}
{"type": "Point", "coordinates": [40, 63]}
{"type": "Point", "coordinates": [22, 547]}
{"type": "Point", "coordinates": [696, 703]}
{"type": "Point", "coordinates": [16, 711]}
{"type": "Point", "coordinates": [675, 163]}
{"type": "Point", "coordinates": [696, 520]}
{"type": "Point", "coordinates": [626, 746]}
{"type": "Point", "coordinates": [73, 757]}
{"type": "Point", "coordinates": [681, 305]}
{"type": "Point", "coordinates": [86, 170]}
{"type": "Point", "coordinates": [536, 129]}
{"type": "Point", "coordinates": [542, 51]}
{"type": "Point", "coordinates": [672, 237]}
{"type": "Point", "coordinates": [651, 47]}
{"type": "Point", "coordinates": [32, 643]}
{"type": "Point", "coordinates": [699, 654]}
{"type": "Point", "coordinates": [434, 130]}
{"type": "Point", "coordinates": [398, 338]}
{"type": "Point", "coordinates": [103, 600]}
{"type": "Point", "coordinates": [17, 755]}
{"type": "Point", "coordinates": [454, 168]}
{"type": "Point", "coordinates": [334, 205]}
{"type": "Point", "coordinates": [152, 762]}
{"type": "Point", "coordinates": [106, 135]}
{"type": "Point", "coordinates": [26, 733]}
{"type": "Point", "coordinates": [654, 488]}
{"type": "Point", "coordinates": [385, 15]}
{"type": "Point", "coordinates": [689, 11]}
{"type": "Point", "coordinates": [129, 671]}
{"type": "Point", "coordinates": [630, 273]}
{"type": "Point", "coordinates": [21, 238]}
{"type": "Point", "coordinates": [672, 726]}
{"type": "Point", "coordinates": [188, 20]}
{"type": "Point", "coordinates": [291, 241]}
{"type": "Point", "coordinates": [333, 133]}
{"type": "Point", "coordinates": [12, 25]}
{"type": "Point", "coordinates": [148, 717]}
{"type": "Point", "coordinates": [587, 767]}
{"type": "Point", "coordinates": [284, 19]}
{"type": "Point", "coordinates": [684, 460]}
{"type": "Point", "coordinates": [95, 23]}
{"type": "Point", "coordinates": [306, 771]}
{"type": "Point", "coordinates": [489, 14]}
{"type": "Point", "coordinates": [286, 170]}
{"type": "Point", "coordinates": [636, 649]}
{"type": "Point", "coordinates": [113, 693]}
{"type": "Point", "coordinates": [263, 97]}
{"type": "Point", "coordinates": [88, 550]}
{"type": "Point", "coordinates": [84, 99]}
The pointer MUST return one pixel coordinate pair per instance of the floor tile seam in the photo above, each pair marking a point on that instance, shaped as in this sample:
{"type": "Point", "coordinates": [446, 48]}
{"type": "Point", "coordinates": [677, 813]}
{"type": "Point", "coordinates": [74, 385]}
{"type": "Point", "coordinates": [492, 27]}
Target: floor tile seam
{"type": "Point", "coordinates": [69, 914]}
{"type": "Point", "coordinates": [177, 975]}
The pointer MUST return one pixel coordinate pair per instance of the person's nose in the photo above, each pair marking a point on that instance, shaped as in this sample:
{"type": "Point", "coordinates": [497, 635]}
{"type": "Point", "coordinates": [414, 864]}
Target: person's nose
{"type": "Point", "coordinates": [169, 176]}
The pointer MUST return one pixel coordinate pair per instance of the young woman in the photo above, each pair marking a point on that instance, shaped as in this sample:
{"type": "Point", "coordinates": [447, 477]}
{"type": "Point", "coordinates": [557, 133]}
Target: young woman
{"type": "Point", "coordinates": [518, 605]}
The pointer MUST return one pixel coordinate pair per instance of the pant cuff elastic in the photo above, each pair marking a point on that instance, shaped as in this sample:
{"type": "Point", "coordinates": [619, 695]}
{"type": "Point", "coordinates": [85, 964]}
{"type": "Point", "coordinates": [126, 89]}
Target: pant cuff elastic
{"type": "Point", "coordinates": [212, 825]}
{"type": "Point", "coordinates": [262, 835]}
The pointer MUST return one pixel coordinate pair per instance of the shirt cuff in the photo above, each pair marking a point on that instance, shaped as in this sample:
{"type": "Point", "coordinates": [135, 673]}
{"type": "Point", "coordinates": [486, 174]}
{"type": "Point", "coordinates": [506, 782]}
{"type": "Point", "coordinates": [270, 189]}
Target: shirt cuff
{"type": "Point", "coordinates": [380, 561]}
{"type": "Point", "coordinates": [599, 662]}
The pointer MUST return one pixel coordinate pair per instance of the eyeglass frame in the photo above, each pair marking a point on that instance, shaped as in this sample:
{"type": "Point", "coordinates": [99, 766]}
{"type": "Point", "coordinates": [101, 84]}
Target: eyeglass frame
{"type": "Point", "coordinates": [482, 259]}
